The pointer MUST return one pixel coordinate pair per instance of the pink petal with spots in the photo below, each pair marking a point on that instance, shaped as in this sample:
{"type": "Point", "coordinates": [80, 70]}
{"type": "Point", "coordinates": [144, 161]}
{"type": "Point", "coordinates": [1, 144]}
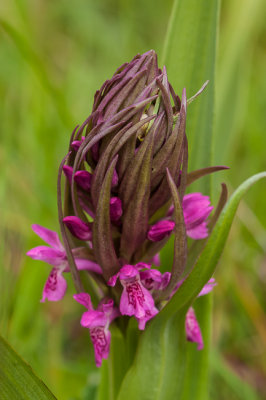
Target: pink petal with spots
{"type": "Point", "coordinates": [48, 236]}
{"type": "Point", "coordinates": [100, 338]}
{"type": "Point", "coordinates": [149, 315]}
{"type": "Point", "coordinates": [55, 286]}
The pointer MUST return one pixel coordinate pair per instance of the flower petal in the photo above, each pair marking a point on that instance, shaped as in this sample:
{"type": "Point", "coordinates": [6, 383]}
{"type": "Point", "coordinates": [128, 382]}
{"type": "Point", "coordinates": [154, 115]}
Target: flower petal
{"type": "Point", "coordinates": [196, 208]}
{"type": "Point", "coordinates": [48, 236]}
{"type": "Point", "coordinates": [112, 280]}
{"type": "Point", "coordinates": [127, 272]}
{"type": "Point", "coordinates": [208, 287]}
{"type": "Point", "coordinates": [93, 318]}
{"type": "Point", "coordinates": [156, 260]}
{"type": "Point", "coordinates": [193, 331]}
{"type": "Point", "coordinates": [100, 338]}
{"type": "Point", "coordinates": [47, 254]}
{"type": "Point", "coordinates": [149, 315]}
{"type": "Point", "coordinates": [55, 286]}
{"type": "Point", "coordinates": [84, 299]}
{"type": "Point", "coordinates": [198, 232]}
{"type": "Point", "coordinates": [88, 265]}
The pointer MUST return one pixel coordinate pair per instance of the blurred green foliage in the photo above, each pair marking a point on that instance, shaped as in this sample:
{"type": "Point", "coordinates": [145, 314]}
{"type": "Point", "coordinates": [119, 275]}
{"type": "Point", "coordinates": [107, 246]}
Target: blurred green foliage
{"type": "Point", "coordinates": [53, 56]}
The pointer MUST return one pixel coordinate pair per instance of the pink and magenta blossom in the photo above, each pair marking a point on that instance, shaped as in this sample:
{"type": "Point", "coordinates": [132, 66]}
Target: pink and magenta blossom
{"type": "Point", "coordinates": [98, 321]}
{"type": "Point", "coordinates": [193, 332]}
{"type": "Point", "coordinates": [152, 279]}
{"type": "Point", "coordinates": [196, 208]}
{"type": "Point", "coordinates": [135, 299]}
{"type": "Point", "coordinates": [55, 286]}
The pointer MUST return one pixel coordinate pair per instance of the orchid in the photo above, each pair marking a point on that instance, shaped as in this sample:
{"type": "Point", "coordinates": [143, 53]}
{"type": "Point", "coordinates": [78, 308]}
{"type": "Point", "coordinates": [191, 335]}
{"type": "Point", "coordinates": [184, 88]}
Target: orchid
{"type": "Point", "coordinates": [135, 299]}
{"type": "Point", "coordinates": [126, 177]}
{"type": "Point", "coordinates": [193, 332]}
{"type": "Point", "coordinates": [98, 321]}
{"type": "Point", "coordinates": [56, 285]}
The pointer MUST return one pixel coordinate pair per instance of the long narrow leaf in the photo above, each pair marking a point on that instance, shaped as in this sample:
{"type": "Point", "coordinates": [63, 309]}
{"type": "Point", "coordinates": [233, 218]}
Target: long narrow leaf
{"type": "Point", "coordinates": [189, 55]}
{"type": "Point", "coordinates": [17, 380]}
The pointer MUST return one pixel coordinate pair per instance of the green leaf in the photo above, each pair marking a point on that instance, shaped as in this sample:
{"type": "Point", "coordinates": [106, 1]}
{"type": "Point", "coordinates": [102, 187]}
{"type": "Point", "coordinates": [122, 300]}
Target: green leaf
{"type": "Point", "coordinates": [157, 371]}
{"type": "Point", "coordinates": [189, 55]}
{"type": "Point", "coordinates": [17, 380]}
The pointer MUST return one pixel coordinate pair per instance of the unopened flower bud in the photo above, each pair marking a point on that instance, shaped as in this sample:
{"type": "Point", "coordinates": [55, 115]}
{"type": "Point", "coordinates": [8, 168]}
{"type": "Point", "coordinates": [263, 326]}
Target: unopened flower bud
{"type": "Point", "coordinates": [78, 228]}
{"type": "Point", "coordinates": [160, 230]}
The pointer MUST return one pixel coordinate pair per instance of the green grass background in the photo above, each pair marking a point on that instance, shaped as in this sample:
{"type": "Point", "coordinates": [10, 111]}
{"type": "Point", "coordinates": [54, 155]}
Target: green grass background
{"type": "Point", "coordinates": [54, 55]}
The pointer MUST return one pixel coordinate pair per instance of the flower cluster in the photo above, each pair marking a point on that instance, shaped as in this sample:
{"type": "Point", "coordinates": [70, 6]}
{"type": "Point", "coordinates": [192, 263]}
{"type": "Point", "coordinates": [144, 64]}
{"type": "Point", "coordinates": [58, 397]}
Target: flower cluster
{"type": "Point", "coordinates": [125, 182]}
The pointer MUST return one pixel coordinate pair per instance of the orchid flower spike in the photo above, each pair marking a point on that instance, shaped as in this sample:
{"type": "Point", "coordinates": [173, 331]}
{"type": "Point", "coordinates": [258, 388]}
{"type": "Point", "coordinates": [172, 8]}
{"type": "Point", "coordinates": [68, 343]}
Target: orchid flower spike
{"type": "Point", "coordinates": [125, 165]}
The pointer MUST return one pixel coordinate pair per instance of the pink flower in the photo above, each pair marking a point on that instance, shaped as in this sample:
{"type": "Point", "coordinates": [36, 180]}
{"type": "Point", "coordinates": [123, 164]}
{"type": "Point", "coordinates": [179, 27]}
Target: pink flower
{"type": "Point", "coordinates": [196, 208]}
{"type": "Point", "coordinates": [98, 321]}
{"type": "Point", "coordinates": [55, 286]}
{"type": "Point", "coordinates": [135, 299]}
{"type": "Point", "coordinates": [193, 331]}
{"type": "Point", "coordinates": [152, 279]}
